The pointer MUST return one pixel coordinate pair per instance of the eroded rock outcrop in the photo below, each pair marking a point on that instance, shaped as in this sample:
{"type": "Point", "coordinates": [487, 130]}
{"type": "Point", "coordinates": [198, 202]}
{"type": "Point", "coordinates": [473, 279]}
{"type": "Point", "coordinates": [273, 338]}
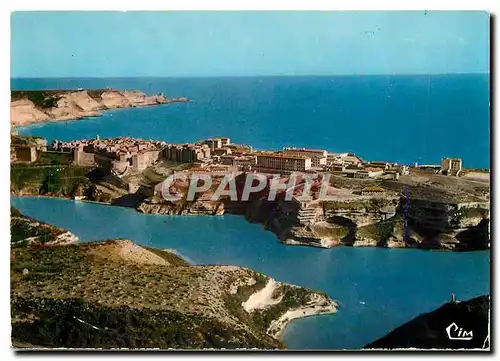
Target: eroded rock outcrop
{"type": "Point", "coordinates": [29, 107]}
{"type": "Point", "coordinates": [391, 222]}
{"type": "Point", "coordinates": [182, 208]}
{"type": "Point", "coordinates": [388, 222]}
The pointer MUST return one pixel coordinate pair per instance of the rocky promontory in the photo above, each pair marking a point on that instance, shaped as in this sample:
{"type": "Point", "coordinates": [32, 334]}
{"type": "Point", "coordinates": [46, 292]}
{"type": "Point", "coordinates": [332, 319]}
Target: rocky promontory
{"type": "Point", "coordinates": [419, 210]}
{"type": "Point", "coordinates": [392, 222]}
{"type": "Point", "coordinates": [33, 106]}
{"type": "Point", "coordinates": [117, 294]}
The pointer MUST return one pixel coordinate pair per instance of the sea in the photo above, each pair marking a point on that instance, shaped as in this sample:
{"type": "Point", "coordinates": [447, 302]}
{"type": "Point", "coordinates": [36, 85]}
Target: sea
{"type": "Point", "coordinates": [405, 119]}
{"type": "Point", "coordinates": [378, 289]}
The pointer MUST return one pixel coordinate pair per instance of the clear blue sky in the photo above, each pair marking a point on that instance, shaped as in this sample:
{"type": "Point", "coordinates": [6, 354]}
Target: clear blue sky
{"type": "Point", "coordinates": [120, 44]}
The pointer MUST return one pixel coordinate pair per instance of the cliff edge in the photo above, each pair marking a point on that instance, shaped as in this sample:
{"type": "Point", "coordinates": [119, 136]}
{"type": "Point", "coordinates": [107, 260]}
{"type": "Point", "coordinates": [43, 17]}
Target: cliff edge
{"type": "Point", "coordinates": [26, 231]}
{"type": "Point", "coordinates": [117, 294]}
{"type": "Point", "coordinates": [33, 106]}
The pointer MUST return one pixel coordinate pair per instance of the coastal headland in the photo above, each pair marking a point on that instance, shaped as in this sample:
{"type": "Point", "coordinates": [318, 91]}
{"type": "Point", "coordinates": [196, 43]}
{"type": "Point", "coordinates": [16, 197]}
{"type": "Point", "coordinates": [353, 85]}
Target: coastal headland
{"type": "Point", "coordinates": [38, 106]}
{"type": "Point", "coordinates": [117, 294]}
{"type": "Point", "coordinates": [368, 203]}
{"type": "Point", "coordinates": [349, 201]}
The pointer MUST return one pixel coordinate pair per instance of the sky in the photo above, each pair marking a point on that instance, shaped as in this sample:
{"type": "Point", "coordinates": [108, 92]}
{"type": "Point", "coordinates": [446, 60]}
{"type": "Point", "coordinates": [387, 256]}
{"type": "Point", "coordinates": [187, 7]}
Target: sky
{"type": "Point", "coordinates": [195, 43]}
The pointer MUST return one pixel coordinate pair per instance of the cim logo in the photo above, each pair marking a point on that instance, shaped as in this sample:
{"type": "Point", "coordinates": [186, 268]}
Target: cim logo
{"type": "Point", "coordinates": [458, 333]}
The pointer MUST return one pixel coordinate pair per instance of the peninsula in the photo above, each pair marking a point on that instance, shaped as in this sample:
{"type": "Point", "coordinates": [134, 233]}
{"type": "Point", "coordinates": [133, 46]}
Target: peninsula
{"type": "Point", "coordinates": [369, 203]}
{"type": "Point", "coordinates": [118, 294]}
{"type": "Point", "coordinates": [37, 106]}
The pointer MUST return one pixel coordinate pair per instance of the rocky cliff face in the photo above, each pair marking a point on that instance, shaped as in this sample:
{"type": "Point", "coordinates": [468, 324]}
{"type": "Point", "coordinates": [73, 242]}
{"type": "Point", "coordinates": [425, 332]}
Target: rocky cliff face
{"type": "Point", "coordinates": [180, 208]}
{"type": "Point", "coordinates": [38, 106]}
{"type": "Point", "coordinates": [24, 112]}
{"type": "Point", "coordinates": [382, 222]}
{"type": "Point", "coordinates": [387, 222]}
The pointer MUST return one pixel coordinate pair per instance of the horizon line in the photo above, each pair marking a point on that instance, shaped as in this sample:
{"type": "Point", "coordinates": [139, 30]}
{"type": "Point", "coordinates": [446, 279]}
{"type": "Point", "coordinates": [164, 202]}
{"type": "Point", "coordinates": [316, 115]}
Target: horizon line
{"type": "Point", "coordinates": [245, 76]}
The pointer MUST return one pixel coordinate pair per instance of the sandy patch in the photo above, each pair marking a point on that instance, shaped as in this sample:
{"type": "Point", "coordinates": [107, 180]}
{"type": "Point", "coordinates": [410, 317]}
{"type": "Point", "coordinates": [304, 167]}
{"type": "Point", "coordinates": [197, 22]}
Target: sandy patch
{"type": "Point", "coordinates": [478, 175]}
{"type": "Point", "coordinates": [318, 304]}
{"type": "Point", "coordinates": [263, 298]}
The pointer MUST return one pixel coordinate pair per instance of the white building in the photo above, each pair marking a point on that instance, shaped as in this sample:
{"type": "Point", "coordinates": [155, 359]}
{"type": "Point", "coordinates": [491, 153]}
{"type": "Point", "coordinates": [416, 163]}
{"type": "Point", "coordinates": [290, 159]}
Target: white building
{"type": "Point", "coordinates": [286, 162]}
{"type": "Point", "coordinates": [451, 166]}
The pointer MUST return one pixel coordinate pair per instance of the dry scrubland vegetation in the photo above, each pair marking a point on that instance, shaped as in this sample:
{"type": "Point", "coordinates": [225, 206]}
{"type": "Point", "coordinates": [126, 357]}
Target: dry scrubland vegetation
{"type": "Point", "coordinates": [425, 185]}
{"type": "Point", "coordinates": [118, 294]}
{"type": "Point", "coordinates": [22, 229]}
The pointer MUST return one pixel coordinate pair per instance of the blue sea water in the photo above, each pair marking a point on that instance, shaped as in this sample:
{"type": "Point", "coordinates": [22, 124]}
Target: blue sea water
{"type": "Point", "coordinates": [400, 118]}
{"type": "Point", "coordinates": [378, 289]}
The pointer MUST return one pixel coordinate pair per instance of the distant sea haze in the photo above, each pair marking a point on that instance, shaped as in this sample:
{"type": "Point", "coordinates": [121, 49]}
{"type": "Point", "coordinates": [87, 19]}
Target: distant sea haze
{"type": "Point", "coordinates": [403, 118]}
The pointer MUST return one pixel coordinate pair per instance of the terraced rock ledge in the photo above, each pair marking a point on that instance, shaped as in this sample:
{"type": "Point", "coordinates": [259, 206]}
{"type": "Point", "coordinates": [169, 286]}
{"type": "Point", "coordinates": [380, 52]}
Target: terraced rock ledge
{"type": "Point", "coordinates": [37, 106]}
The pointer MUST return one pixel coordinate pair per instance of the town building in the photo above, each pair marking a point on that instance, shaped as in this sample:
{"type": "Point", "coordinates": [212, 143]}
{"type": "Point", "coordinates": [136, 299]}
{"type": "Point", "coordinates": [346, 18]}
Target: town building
{"type": "Point", "coordinates": [284, 162]}
{"type": "Point", "coordinates": [350, 158]}
{"type": "Point", "coordinates": [359, 174]}
{"type": "Point", "coordinates": [373, 172]}
{"type": "Point", "coordinates": [451, 166]}
{"type": "Point", "coordinates": [187, 153]}
{"type": "Point", "coordinates": [391, 174]}
{"type": "Point", "coordinates": [118, 154]}
{"type": "Point", "coordinates": [246, 162]}
{"type": "Point", "coordinates": [217, 143]}
{"type": "Point", "coordinates": [27, 149]}
{"type": "Point", "coordinates": [142, 161]}
{"type": "Point", "coordinates": [221, 151]}
{"type": "Point", "coordinates": [25, 154]}
{"type": "Point", "coordinates": [378, 164]}
{"type": "Point", "coordinates": [357, 171]}
{"type": "Point", "coordinates": [351, 169]}
{"type": "Point", "coordinates": [318, 156]}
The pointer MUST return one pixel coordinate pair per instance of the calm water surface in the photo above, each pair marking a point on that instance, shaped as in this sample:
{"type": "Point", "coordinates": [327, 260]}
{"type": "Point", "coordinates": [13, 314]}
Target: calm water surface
{"type": "Point", "coordinates": [378, 289]}
{"type": "Point", "coordinates": [398, 118]}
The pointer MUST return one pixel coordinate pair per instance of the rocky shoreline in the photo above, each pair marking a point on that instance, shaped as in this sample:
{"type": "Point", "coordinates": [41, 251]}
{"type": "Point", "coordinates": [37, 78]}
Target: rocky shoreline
{"type": "Point", "coordinates": [31, 107]}
{"type": "Point", "coordinates": [416, 211]}
{"type": "Point", "coordinates": [28, 232]}
{"type": "Point", "coordinates": [317, 305]}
